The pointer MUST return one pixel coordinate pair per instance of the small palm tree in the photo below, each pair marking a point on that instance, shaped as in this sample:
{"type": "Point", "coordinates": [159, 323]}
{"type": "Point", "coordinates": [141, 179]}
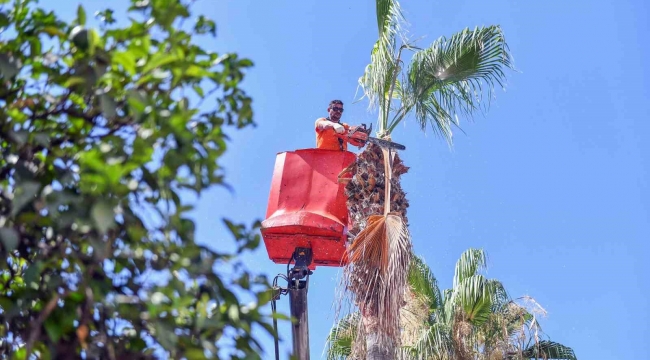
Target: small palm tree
{"type": "Point", "coordinates": [452, 77]}
{"type": "Point", "coordinates": [474, 320]}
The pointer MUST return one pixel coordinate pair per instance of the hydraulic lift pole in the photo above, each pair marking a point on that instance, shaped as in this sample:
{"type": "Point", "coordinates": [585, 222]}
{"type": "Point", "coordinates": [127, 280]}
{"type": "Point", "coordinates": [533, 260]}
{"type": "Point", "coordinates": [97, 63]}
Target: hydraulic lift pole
{"type": "Point", "coordinates": [299, 329]}
{"type": "Point", "coordinates": [298, 302]}
{"type": "Point", "coordinates": [298, 284]}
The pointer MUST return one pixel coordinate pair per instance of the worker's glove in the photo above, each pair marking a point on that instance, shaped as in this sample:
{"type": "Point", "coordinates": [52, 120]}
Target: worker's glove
{"type": "Point", "coordinates": [338, 128]}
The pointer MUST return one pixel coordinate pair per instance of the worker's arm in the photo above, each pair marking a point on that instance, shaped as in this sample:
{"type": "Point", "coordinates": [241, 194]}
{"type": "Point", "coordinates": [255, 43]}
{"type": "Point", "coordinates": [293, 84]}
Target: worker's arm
{"type": "Point", "coordinates": [323, 124]}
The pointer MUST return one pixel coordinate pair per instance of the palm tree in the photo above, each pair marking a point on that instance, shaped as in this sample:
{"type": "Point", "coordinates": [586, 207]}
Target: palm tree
{"type": "Point", "coordinates": [452, 77]}
{"type": "Point", "coordinates": [475, 319]}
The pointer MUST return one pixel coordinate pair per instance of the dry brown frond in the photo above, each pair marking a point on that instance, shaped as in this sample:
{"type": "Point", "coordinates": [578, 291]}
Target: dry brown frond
{"type": "Point", "coordinates": [462, 329]}
{"type": "Point", "coordinates": [533, 306]}
{"type": "Point", "coordinates": [376, 275]}
{"type": "Point", "coordinates": [371, 245]}
{"type": "Point", "coordinates": [413, 317]}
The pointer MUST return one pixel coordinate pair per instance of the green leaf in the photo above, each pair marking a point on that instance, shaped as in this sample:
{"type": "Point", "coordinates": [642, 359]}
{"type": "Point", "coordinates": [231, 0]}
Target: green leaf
{"type": "Point", "coordinates": [72, 81]}
{"type": "Point", "coordinates": [81, 15]}
{"type": "Point", "coordinates": [20, 354]}
{"type": "Point", "coordinates": [4, 19]}
{"type": "Point", "coordinates": [32, 275]}
{"type": "Point", "coordinates": [76, 296]}
{"type": "Point", "coordinates": [194, 354]}
{"type": "Point", "coordinates": [25, 194]}
{"type": "Point", "coordinates": [196, 71]}
{"type": "Point", "coordinates": [137, 344]}
{"type": "Point", "coordinates": [137, 101]}
{"type": "Point", "coordinates": [470, 263]}
{"type": "Point", "coordinates": [54, 329]}
{"type": "Point", "coordinates": [103, 216]}
{"type": "Point", "coordinates": [8, 66]}
{"type": "Point", "coordinates": [93, 41]}
{"type": "Point", "coordinates": [20, 137]}
{"type": "Point", "coordinates": [166, 336]}
{"type": "Point", "coordinates": [6, 304]}
{"type": "Point", "coordinates": [9, 238]}
{"type": "Point", "coordinates": [53, 31]}
{"type": "Point", "coordinates": [199, 91]}
{"type": "Point", "coordinates": [42, 139]}
{"type": "Point", "coordinates": [158, 60]}
{"type": "Point", "coordinates": [126, 59]}
{"type": "Point", "coordinates": [108, 106]}
{"type": "Point", "coordinates": [549, 350]}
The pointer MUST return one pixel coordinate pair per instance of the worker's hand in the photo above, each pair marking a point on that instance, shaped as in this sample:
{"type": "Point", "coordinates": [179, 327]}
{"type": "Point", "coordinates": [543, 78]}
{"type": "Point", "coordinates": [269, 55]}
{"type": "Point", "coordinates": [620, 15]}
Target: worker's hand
{"type": "Point", "coordinates": [338, 128]}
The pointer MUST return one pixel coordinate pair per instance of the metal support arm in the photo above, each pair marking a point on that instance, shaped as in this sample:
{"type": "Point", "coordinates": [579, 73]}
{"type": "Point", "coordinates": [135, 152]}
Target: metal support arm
{"type": "Point", "coordinates": [298, 279]}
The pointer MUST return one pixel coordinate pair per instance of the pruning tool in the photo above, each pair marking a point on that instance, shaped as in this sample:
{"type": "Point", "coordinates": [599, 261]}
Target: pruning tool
{"type": "Point", "coordinates": [360, 136]}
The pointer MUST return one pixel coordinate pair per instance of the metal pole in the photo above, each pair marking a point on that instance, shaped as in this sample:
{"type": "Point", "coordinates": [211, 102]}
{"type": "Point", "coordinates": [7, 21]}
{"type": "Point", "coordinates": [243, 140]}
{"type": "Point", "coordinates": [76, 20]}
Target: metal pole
{"type": "Point", "coordinates": [300, 328]}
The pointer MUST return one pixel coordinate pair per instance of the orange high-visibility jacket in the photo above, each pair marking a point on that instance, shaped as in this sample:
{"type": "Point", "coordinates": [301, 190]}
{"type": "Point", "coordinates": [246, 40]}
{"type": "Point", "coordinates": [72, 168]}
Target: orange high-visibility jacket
{"type": "Point", "coordinates": [326, 139]}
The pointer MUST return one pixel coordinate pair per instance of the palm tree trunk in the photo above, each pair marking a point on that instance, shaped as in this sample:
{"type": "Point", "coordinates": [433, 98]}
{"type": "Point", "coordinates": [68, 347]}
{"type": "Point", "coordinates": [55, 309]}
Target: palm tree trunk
{"type": "Point", "coordinates": [375, 350]}
{"type": "Point", "coordinates": [378, 345]}
{"type": "Point", "coordinates": [366, 197]}
{"type": "Point", "coordinates": [366, 189]}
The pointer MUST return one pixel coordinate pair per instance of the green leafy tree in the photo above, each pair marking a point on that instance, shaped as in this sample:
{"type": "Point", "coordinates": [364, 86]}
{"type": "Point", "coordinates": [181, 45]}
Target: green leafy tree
{"type": "Point", "coordinates": [452, 78]}
{"type": "Point", "coordinates": [102, 129]}
{"type": "Point", "coordinates": [474, 320]}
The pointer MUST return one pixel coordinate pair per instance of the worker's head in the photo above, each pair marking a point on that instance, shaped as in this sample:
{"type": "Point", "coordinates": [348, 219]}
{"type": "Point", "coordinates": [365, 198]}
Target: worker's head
{"type": "Point", "coordinates": [335, 109]}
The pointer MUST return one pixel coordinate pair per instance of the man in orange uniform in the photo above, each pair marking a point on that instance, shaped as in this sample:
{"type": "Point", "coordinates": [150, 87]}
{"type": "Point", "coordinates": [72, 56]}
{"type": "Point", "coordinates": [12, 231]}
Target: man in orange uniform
{"type": "Point", "coordinates": [327, 128]}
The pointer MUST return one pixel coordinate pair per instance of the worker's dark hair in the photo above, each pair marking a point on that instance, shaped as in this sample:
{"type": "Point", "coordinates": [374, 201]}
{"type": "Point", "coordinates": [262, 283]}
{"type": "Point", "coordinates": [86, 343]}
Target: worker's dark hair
{"type": "Point", "coordinates": [335, 102]}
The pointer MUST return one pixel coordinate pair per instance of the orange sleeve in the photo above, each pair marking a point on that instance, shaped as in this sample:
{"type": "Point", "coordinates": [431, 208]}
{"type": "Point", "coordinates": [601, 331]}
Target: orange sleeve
{"type": "Point", "coordinates": [326, 139]}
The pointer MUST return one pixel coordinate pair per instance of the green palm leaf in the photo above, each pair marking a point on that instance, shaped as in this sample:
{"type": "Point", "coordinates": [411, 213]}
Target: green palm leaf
{"type": "Point", "coordinates": [424, 283]}
{"type": "Point", "coordinates": [548, 350]}
{"type": "Point", "coordinates": [454, 76]}
{"type": "Point", "coordinates": [380, 75]}
{"type": "Point", "coordinates": [342, 336]}
{"type": "Point", "coordinates": [434, 343]}
{"type": "Point", "coordinates": [500, 296]}
{"type": "Point", "coordinates": [389, 16]}
{"type": "Point", "coordinates": [470, 263]}
{"type": "Point", "coordinates": [474, 296]}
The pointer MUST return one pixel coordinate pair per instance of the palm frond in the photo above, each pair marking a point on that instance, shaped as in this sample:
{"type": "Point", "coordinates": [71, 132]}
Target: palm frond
{"type": "Point", "coordinates": [454, 76]}
{"type": "Point", "coordinates": [474, 296]}
{"type": "Point", "coordinates": [424, 283]}
{"type": "Point", "coordinates": [500, 296]}
{"type": "Point", "coordinates": [471, 261]}
{"type": "Point", "coordinates": [376, 274]}
{"type": "Point", "coordinates": [515, 320]}
{"type": "Point", "coordinates": [380, 75]}
{"type": "Point", "coordinates": [342, 336]}
{"type": "Point", "coordinates": [435, 342]}
{"type": "Point", "coordinates": [548, 350]}
{"type": "Point", "coordinates": [449, 306]}
{"type": "Point", "coordinates": [389, 16]}
{"type": "Point", "coordinates": [414, 316]}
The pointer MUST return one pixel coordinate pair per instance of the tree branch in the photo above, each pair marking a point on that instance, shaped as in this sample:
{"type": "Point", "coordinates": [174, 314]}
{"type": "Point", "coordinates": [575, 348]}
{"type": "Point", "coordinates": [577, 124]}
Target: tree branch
{"type": "Point", "coordinates": [36, 326]}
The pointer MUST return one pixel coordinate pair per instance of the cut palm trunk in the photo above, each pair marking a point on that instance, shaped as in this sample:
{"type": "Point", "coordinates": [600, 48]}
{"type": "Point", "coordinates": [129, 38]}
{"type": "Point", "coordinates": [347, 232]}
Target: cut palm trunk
{"type": "Point", "coordinates": [366, 189]}
{"type": "Point", "coordinates": [379, 254]}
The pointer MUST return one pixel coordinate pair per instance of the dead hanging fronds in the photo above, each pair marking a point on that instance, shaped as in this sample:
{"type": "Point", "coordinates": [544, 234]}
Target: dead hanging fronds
{"type": "Point", "coordinates": [462, 337]}
{"type": "Point", "coordinates": [378, 261]}
{"type": "Point", "coordinates": [383, 236]}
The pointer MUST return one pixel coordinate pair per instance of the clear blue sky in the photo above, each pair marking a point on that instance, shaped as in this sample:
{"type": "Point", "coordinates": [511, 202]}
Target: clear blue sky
{"type": "Point", "coordinates": [552, 183]}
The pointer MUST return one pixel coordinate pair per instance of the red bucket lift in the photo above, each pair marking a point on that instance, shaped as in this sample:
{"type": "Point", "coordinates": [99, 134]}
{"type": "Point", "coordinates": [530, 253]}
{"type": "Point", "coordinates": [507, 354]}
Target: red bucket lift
{"type": "Point", "coordinates": [306, 223]}
{"type": "Point", "coordinates": [307, 207]}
